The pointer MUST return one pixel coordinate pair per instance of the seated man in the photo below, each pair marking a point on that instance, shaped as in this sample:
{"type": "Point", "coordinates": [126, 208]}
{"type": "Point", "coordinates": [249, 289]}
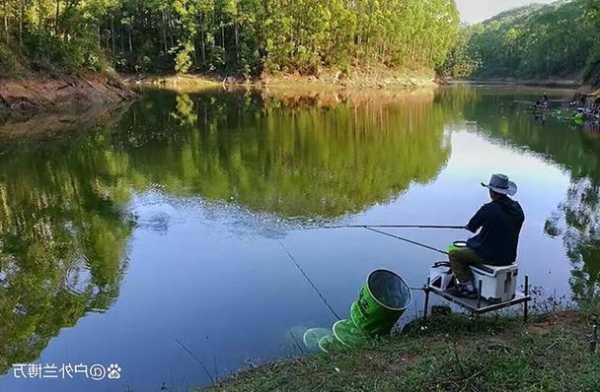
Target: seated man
{"type": "Point", "coordinates": [500, 222]}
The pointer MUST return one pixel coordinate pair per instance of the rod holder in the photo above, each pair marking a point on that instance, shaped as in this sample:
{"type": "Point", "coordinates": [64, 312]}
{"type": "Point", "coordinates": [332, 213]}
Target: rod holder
{"type": "Point", "coordinates": [426, 308]}
{"type": "Point", "coordinates": [526, 303]}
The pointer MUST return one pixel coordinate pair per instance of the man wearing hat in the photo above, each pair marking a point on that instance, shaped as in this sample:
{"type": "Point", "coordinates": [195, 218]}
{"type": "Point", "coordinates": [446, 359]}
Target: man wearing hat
{"type": "Point", "coordinates": [500, 222]}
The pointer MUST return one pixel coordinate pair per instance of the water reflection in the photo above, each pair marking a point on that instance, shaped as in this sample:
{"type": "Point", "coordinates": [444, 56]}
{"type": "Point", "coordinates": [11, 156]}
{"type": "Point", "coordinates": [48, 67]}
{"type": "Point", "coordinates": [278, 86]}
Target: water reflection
{"type": "Point", "coordinates": [64, 228]}
{"type": "Point", "coordinates": [62, 244]}
{"type": "Point", "coordinates": [294, 158]}
{"type": "Point", "coordinates": [577, 220]}
{"type": "Point", "coordinates": [256, 163]}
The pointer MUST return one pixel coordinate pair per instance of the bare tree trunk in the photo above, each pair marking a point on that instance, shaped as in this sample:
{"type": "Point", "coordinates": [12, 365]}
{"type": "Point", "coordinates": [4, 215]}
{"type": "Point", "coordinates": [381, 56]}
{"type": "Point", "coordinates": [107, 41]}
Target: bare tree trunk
{"type": "Point", "coordinates": [223, 43]}
{"type": "Point", "coordinates": [6, 32]}
{"type": "Point", "coordinates": [121, 40]}
{"type": "Point", "coordinates": [130, 42]}
{"type": "Point", "coordinates": [56, 17]}
{"type": "Point", "coordinates": [237, 42]}
{"type": "Point", "coordinates": [21, 12]}
{"type": "Point", "coordinates": [202, 39]}
{"type": "Point", "coordinates": [164, 32]}
{"type": "Point", "coordinates": [112, 35]}
{"type": "Point", "coordinates": [171, 37]}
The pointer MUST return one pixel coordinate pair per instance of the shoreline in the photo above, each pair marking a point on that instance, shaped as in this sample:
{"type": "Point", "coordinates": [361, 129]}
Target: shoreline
{"type": "Point", "coordinates": [559, 84]}
{"type": "Point", "coordinates": [374, 79]}
{"type": "Point", "coordinates": [52, 101]}
{"type": "Point", "coordinates": [551, 83]}
{"type": "Point", "coordinates": [447, 352]}
{"type": "Point", "coordinates": [24, 98]}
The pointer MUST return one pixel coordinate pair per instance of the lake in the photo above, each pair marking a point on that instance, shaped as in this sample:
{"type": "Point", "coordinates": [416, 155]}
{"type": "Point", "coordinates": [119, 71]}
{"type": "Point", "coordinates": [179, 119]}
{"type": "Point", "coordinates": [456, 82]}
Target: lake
{"type": "Point", "coordinates": [159, 242]}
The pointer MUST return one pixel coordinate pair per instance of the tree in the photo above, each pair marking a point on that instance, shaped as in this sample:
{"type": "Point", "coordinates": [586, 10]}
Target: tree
{"type": "Point", "coordinates": [537, 41]}
{"type": "Point", "coordinates": [232, 37]}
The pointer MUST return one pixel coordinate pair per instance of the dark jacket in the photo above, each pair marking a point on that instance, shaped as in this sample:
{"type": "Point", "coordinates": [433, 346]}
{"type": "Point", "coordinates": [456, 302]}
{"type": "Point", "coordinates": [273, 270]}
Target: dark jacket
{"type": "Point", "coordinates": [500, 222]}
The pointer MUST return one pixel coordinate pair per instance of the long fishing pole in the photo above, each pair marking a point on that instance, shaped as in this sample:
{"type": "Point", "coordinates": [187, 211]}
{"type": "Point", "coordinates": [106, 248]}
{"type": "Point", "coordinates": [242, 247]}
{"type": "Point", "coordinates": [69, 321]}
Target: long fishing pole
{"type": "Point", "coordinates": [406, 240]}
{"type": "Point", "coordinates": [195, 358]}
{"type": "Point", "coordinates": [394, 227]}
{"type": "Point", "coordinates": [310, 281]}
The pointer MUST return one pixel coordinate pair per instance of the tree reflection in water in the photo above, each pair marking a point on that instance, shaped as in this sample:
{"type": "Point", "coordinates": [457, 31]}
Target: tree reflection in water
{"type": "Point", "coordinates": [63, 226]}
{"type": "Point", "coordinates": [577, 219]}
{"type": "Point", "coordinates": [62, 245]}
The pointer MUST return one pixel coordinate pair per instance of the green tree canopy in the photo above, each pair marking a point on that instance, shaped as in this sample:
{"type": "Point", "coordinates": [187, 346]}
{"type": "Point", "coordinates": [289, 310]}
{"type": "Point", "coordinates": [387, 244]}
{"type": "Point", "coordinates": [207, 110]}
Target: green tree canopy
{"type": "Point", "coordinates": [242, 37]}
{"type": "Point", "coordinates": [555, 40]}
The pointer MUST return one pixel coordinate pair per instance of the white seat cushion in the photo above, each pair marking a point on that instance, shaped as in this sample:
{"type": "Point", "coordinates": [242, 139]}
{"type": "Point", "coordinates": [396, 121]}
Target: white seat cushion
{"type": "Point", "coordinates": [494, 270]}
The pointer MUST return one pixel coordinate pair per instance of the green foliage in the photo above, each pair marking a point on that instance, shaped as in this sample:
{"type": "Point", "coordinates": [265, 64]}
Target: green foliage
{"type": "Point", "coordinates": [48, 53]}
{"type": "Point", "coordinates": [460, 63]}
{"type": "Point", "coordinates": [60, 262]}
{"type": "Point", "coordinates": [183, 60]}
{"type": "Point", "coordinates": [242, 37]}
{"type": "Point", "coordinates": [265, 169]}
{"type": "Point", "coordinates": [8, 63]}
{"type": "Point", "coordinates": [556, 40]}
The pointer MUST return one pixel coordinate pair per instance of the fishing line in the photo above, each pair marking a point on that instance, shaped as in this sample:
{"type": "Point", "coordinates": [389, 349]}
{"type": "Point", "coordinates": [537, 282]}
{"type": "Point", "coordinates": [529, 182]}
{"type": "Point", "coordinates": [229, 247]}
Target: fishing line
{"type": "Point", "coordinates": [394, 227]}
{"type": "Point", "coordinates": [407, 240]}
{"type": "Point", "coordinates": [309, 281]}
{"type": "Point", "coordinates": [191, 354]}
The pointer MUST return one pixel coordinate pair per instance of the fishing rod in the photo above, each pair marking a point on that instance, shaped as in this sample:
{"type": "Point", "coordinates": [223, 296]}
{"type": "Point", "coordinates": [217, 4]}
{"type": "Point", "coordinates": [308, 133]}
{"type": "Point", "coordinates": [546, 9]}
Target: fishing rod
{"type": "Point", "coordinates": [407, 240]}
{"type": "Point", "coordinates": [195, 358]}
{"type": "Point", "coordinates": [293, 260]}
{"type": "Point", "coordinates": [394, 227]}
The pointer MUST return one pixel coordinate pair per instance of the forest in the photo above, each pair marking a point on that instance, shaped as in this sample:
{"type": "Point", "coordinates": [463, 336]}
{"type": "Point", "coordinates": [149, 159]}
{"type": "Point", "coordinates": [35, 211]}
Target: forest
{"type": "Point", "coordinates": [248, 38]}
{"type": "Point", "coordinates": [226, 37]}
{"type": "Point", "coordinates": [559, 40]}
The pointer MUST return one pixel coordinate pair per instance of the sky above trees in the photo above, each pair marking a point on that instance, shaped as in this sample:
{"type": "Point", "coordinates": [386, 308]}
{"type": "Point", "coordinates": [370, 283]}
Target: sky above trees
{"type": "Point", "coordinates": [472, 11]}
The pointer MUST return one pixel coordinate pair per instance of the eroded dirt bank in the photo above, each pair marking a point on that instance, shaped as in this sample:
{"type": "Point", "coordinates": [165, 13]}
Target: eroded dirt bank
{"type": "Point", "coordinates": [25, 98]}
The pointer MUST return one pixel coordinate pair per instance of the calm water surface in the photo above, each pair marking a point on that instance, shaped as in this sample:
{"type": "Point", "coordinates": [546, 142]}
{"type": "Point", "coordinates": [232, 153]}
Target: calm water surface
{"type": "Point", "coordinates": [156, 243]}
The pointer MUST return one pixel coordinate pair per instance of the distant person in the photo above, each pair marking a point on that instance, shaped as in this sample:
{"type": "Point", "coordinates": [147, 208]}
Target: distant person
{"type": "Point", "coordinates": [500, 222]}
{"type": "Point", "coordinates": [545, 101]}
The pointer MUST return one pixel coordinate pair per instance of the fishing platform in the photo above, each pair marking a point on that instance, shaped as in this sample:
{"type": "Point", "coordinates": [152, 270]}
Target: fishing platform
{"type": "Point", "coordinates": [481, 304]}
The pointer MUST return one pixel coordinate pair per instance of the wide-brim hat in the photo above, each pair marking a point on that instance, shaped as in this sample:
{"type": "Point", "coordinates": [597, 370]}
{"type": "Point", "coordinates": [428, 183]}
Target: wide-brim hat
{"type": "Point", "coordinates": [500, 183]}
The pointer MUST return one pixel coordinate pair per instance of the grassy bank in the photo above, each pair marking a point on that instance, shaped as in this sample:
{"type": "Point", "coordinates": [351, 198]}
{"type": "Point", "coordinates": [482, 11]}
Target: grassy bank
{"type": "Point", "coordinates": [448, 353]}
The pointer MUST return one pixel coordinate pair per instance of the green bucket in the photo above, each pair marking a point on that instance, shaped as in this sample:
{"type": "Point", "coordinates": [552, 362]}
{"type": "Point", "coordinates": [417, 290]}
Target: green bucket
{"type": "Point", "coordinates": [457, 245]}
{"type": "Point", "coordinates": [381, 302]}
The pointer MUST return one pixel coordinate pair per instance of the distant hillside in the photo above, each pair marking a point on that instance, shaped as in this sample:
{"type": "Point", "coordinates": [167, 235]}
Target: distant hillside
{"type": "Point", "coordinates": [559, 40]}
{"type": "Point", "coordinates": [514, 13]}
